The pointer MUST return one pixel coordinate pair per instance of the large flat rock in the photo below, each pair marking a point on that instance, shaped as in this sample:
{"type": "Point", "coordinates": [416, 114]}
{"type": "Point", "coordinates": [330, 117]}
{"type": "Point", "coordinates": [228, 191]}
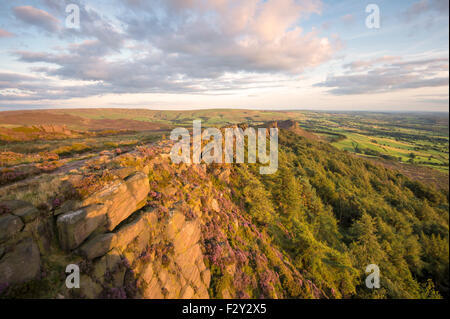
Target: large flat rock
{"type": "Point", "coordinates": [21, 264]}
{"type": "Point", "coordinates": [122, 198]}
{"type": "Point", "coordinates": [106, 208]}
{"type": "Point", "coordinates": [98, 246]}
{"type": "Point", "coordinates": [75, 227]}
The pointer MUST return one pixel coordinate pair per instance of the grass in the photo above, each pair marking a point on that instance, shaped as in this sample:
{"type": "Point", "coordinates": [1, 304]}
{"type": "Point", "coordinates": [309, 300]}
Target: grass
{"type": "Point", "coordinates": [421, 139]}
{"type": "Point", "coordinates": [72, 146]}
{"type": "Point", "coordinates": [36, 192]}
{"type": "Point", "coordinates": [390, 147]}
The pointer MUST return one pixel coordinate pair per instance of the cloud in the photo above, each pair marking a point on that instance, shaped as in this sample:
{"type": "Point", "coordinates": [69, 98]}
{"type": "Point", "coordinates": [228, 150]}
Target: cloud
{"type": "Point", "coordinates": [93, 24]}
{"type": "Point", "coordinates": [422, 7]}
{"type": "Point", "coordinates": [5, 34]}
{"type": "Point", "coordinates": [37, 17]}
{"type": "Point", "coordinates": [361, 64]}
{"type": "Point", "coordinates": [10, 80]}
{"type": "Point", "coordinates": [180, 46]}
{"type": "Point", "coordinates": [388, 74]}
{"type": "Point", "coordinates": [226, 36]}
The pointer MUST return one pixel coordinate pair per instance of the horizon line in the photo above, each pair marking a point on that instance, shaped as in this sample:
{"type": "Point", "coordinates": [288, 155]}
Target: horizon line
{"type": "Point", "coordinates": [11, 109]}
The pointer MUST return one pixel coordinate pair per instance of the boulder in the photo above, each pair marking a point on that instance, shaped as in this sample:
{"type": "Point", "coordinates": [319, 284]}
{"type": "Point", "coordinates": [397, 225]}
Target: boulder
{"type": "Point", "coordinates": [146, 169]}
{"type": "Point", "coordinates": [66, 207]}
{"type": "Point", "coordinates": [9, 226]}
{"type": "Point", "coordinates": [122, 198]}
{"type": "Point", "coordinates": [43, 233]}
{"type": "Point", "coordinates": [187, 263]}
{"type": "Point", "coordinates": [172, 286]}
{"type": "Point", "coordinates": [75, 227]}
{"type": "Point", "coordinates": [98, 246]}
{"type": "Point", "coordinates": [21, 264]}
{"type": "Point", "coordinates": [27, 213]}
{"type": "Point", "coordinates": [142, 241]}
{"type": "Point", "coordinates": [107, 208]}
{"type": "Point", "coordinates": [202, 293]}
{"type": "Point", "coordinates": [151, 218]}
{"type": "Point", "coordinates": [12, 205]}
{"type": "Point", "coordinates": [170, 191]}
{"type": "Point", "coordinates": [130, 231]}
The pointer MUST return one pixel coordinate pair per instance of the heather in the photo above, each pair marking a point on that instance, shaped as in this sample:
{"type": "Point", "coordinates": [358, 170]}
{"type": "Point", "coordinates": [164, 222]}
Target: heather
{"type": "Point", "coordinates": [165, 230]}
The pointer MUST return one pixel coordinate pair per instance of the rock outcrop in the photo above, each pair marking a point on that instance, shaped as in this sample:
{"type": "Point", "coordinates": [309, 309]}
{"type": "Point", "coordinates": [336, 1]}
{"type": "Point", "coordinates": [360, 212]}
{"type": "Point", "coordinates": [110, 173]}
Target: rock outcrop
{"type": "Point", "coordinates": [152, 230]}
{"type": "Point", "coordinates": [106, 209]}
{"type": "Point", "coordinates": [122, 199]}
{"type": "Point", "coordinates": [74, 227]}
{"type": "Point", "coordinates": [124, 248]}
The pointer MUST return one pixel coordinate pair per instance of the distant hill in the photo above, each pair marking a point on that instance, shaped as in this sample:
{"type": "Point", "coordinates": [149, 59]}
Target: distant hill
{"type": "Point", "coordinates": [138, 119]}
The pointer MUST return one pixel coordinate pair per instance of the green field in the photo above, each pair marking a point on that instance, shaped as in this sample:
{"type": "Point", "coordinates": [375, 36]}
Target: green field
{"type": "Point", "coordinates": [420, 139]}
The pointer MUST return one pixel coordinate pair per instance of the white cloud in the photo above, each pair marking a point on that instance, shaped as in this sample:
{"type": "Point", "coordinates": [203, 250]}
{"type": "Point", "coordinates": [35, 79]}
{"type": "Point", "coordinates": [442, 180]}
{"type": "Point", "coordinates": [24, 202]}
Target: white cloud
{"type": "Point", "coordinates": [388, 74]}
{"type": "Point", "coordinates": [180, 46]}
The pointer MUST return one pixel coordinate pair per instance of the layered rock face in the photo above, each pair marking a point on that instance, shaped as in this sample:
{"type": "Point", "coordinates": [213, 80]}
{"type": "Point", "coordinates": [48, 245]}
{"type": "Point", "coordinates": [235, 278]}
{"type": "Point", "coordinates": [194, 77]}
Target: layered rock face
{"type": "Point", "coordinates": [147, 258]}
{"type": "Point", "coordinates": [106, 209]}
{"type": "Point", "coordinates": [143, 227]}
{"type": "Point", "coordinates": [123, 247]}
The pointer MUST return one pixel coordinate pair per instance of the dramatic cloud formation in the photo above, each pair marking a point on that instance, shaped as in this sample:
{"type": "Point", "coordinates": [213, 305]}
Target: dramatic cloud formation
{"type": "Point", "coordinates": [180, 46]}
{"type": "Point", "coordinates": [231, 36]}
{"type": "Point", "coordinates": [199, 49]}
{"type": "Point", "coordinates": [388, 74]}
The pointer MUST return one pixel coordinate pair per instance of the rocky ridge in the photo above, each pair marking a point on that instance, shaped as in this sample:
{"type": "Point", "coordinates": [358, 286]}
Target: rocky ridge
{"type": "Point", "coordinates": [148, 229]}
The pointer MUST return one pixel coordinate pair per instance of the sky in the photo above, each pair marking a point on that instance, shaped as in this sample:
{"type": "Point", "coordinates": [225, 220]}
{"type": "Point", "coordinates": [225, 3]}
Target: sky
{"type": "Point", "coordinates": [253, 54]}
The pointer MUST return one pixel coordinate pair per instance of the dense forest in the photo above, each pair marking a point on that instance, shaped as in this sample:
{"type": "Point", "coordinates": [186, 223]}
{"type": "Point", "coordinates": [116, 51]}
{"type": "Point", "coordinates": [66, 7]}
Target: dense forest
{"type": "Point", "coordinates": [334, 214]}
